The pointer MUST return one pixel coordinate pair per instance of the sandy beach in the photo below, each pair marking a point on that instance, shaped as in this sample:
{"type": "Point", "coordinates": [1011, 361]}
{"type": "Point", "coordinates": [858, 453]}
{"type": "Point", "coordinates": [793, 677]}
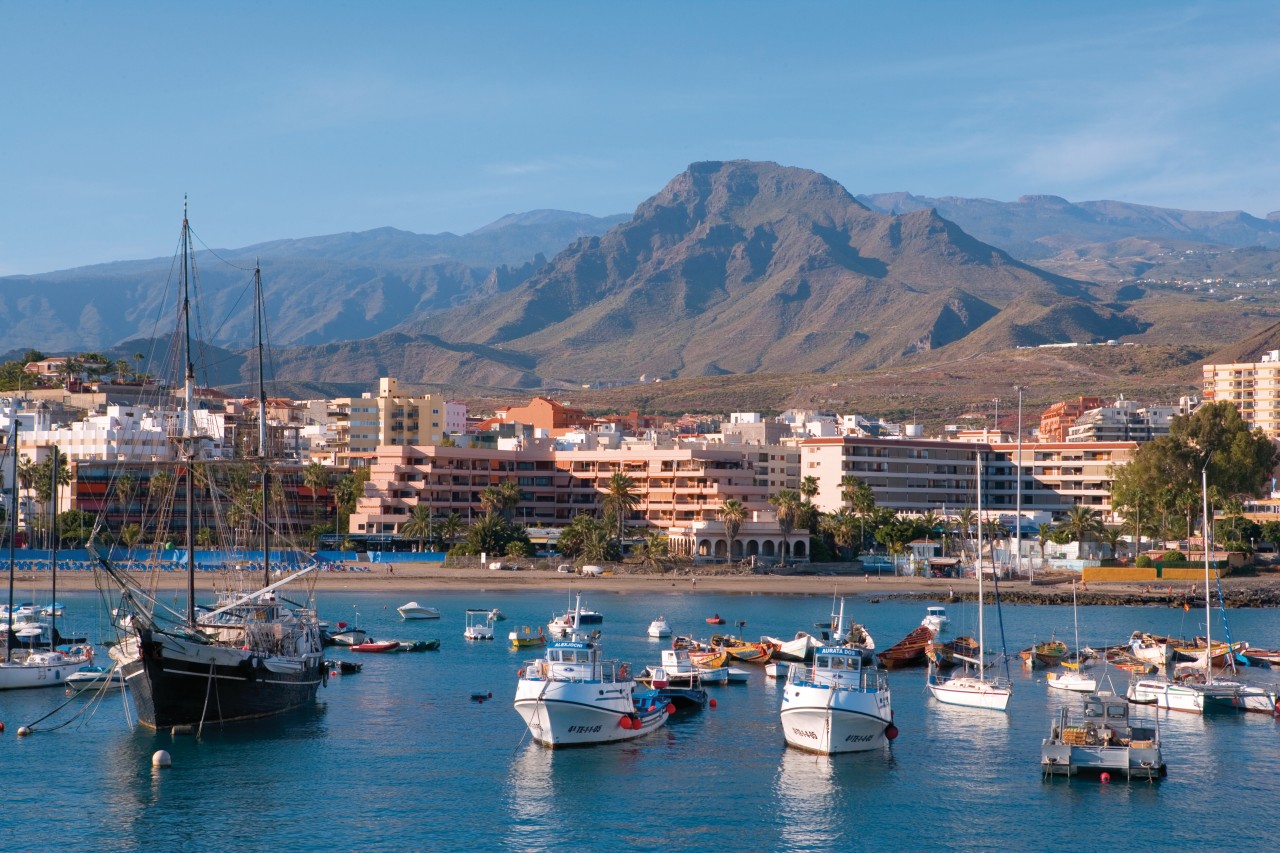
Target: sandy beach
{"type": "Point", "coordinates": [410, 579]}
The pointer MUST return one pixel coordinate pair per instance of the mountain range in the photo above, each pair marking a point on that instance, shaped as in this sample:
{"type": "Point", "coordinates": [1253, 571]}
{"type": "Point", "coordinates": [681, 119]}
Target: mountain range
{"type": "Point", "coordinates": [734, 267]}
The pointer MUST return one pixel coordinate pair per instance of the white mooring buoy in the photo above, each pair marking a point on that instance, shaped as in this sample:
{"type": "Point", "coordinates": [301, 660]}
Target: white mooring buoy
{"type": "Point", "coordinates": [161, 759]}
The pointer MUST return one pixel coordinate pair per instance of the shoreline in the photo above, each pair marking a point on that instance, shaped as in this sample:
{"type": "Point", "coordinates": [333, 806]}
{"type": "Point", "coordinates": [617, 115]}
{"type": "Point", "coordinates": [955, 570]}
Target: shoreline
{"type": "Point", "coordinates": [410, 579]}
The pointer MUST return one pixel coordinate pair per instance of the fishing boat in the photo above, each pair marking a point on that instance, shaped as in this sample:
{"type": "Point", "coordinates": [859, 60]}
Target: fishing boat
{"type": "Point", "coordinates": [743, 650]}
{"type": "Point", "coordinates": [572, 696]}
{"type": "Point", "coordinates": [1100, 738]}
{"type": "Point", "coordinates": [479, 626]}
{"type": "Point", "coordinates": [777, 669]}
{"type": "Point", "coordinates": [709, 658]}
{"type": "Point", "coordinates": [659, 628]}
{"type": "Point", "coordinates": [1044, 655]}
{"type": "Point", "coordinates": [525, 637]}
{"type": "Point", "coordinates": [343, 634]}
{"type": "Point", "coordinates": [969, 688]}
{"type": "Point", "coordinates": [800, 648]}
{"type": "Point", "coordinates": [1195, 692]}
{"type": "Point", "coordinates": [1221, 655]}
{"type": "Point", "coordinates": [909, 651]}
{"type": "Point", "coordinates": [837, 704]}
{"type": "Point", "coordinates": [717, 619]}
{"type": "Point", "coordinates": [563, 624]}
{"type": "Point", "coordinates": [676, 696]}
{"type": "Point", "coordinates": [414, 610]}
{"type": "Point", "coordinates": [953, 652]}
{"type": "Point", "coordinates": [935, 619]}
{"type": "Point", "coordinates": [1152, 648]}
{"type": "Point", "coordinates": [254, 654]}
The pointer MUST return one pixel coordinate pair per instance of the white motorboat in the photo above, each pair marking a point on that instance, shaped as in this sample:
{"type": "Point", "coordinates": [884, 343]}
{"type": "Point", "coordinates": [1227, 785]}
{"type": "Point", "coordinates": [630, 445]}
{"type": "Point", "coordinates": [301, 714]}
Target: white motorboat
{"type": "Point", "coordinates": [479, 626]}
{"type": "Point", "coordinates": [935, 619]}
{"type": "Point", "coordinates": [93, 678]}
{"type": "Point", "coordinates": [966, 688]}
{"type": "Point", "coordinates": [572, 696]}
{"type": "Point", "coordinates": [680, 671]}
{"type": "Point", "coordinates": [496, 615]}
{"type": "Point", "coordinates": [1071, 680]}
{"type": "Point", "coordinates": [800, 648]}
{"type": "Point", "coordinates": [414, 610]}
{"type": "Point", "coordinates": [1102, 740]}
{"type": "Point", "coordinates": [776, 669]}
{"type": "Point", "coordinates": [837, 705]}
{"type": "Point", "coordinates": [659, 628]}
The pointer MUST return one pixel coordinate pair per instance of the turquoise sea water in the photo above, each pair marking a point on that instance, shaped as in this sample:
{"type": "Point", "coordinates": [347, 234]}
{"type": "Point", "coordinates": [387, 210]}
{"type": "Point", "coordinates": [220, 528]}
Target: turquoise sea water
{"type": "Point", "coordinates": [398, 757]}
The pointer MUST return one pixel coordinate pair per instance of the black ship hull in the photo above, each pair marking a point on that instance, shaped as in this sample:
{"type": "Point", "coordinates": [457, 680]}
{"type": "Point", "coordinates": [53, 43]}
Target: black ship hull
{"type": "Point", "coordinates": [180, 683]}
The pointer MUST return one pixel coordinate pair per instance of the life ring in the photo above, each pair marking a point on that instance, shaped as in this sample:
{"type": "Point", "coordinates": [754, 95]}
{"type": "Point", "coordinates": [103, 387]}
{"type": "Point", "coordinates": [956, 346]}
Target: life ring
{"type": "Point", "coordinates": [624, 672]}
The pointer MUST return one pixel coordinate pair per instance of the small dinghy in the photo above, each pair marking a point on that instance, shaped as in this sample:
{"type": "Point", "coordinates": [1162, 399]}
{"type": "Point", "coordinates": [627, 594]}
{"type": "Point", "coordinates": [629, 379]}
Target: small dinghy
{"type": "Point", "coordinates": [373, 647]}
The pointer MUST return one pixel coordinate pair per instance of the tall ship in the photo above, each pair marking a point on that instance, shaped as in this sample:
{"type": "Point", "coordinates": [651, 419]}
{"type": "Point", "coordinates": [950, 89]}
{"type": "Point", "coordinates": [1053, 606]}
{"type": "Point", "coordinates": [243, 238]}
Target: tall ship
{"type": "Point", "coordinates": [253, 653]}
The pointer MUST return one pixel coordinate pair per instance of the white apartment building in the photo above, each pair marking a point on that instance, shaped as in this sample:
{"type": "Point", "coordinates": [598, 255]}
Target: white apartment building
{"type": "Point", "coordinates": [1128, 420]}
{"type": "Point", "coordinates": [1252, 387]}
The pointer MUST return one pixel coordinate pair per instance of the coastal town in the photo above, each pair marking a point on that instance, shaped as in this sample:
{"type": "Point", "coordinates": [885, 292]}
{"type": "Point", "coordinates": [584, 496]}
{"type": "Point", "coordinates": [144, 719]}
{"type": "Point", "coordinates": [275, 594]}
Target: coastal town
{"type": "Point", "coordinates": [391, 471]}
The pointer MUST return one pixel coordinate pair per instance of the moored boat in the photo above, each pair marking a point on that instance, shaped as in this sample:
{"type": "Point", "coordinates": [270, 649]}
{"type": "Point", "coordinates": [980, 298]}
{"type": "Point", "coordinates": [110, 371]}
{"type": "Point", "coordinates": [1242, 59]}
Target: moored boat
{"type": "Point", "coordinates": [414, 610]}
{"type": "Point", "coordinates": [93, 678]}
{"type": "Point", "coordinates": [935, 619]}
{"type": "Point", "coordinates": [573, 697]}
{"type": "Point", "coordinates": [909, 651]}
{"type": "Point", "coordinates": [659, 628]}
{"type": "Point", "coordinates": [525, 637]}
{"type": "Point", "coordinates": [375, 647]}
{"type": "Point", "coordinates": [1101, 738]}
{"type": "Point", "coordinates": [479, 625]}
{"type": "Point", "coordinates": [953, 652]}
{"type": "Point", "coordinates": [1044, 655]}
{"type": "Point", "coordinates": [837, 704]}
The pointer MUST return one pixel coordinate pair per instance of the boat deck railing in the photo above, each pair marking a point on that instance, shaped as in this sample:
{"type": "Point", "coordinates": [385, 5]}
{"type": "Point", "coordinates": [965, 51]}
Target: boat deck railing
{"type": "Point", "coordinates": [603, 671]}
{"type": "Point", "coordinates": [864, 680]}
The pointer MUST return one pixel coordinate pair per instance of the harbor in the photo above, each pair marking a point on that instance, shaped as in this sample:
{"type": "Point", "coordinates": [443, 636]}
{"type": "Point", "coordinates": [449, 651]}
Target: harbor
{"type": "Point", "coordinates": [399, 730]}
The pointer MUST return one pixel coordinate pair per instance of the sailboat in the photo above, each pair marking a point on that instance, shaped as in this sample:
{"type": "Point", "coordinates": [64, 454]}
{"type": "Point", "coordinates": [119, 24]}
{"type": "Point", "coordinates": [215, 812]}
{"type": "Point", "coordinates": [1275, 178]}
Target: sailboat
{"type": "Point", "coordinates": [965, 688]}
{"type": "Point", "coordinates": [35, 667]}
{"type": "Point", "coordinates": [1198, 693]}
{"type": "Point", "coordinates": [1073, 679]}
{"type": "Point", "coordinates": [253, 655]}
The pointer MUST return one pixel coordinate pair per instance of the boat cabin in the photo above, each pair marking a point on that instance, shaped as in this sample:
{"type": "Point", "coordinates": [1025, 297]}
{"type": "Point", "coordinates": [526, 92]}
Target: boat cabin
{"type": "Point", "coordinates": [939, 613]}
{"type": "Point", "coordinates": [1101, 739]}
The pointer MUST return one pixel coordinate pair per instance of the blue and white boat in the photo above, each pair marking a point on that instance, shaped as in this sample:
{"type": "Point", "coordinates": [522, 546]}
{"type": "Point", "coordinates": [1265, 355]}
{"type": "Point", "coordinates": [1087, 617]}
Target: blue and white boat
{"type": "Point", "coordinates": [574, 697]}
{"type": "Point", "coordinates": [838, 704]}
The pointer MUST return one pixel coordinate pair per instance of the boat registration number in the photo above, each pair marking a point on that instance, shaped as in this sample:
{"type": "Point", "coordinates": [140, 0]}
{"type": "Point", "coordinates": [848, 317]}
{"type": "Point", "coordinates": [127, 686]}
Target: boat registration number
{"type": "Point", "coordinates": [584, 730]}
{"type": "Point", "coordinates": [803, 733]}
{"type": "Point", "coordinates": [857, 739]}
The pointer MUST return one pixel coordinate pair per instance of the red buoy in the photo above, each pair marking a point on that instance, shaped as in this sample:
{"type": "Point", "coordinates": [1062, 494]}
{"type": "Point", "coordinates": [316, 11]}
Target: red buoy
{"type": "Point", "coordinates": [712, 703]}
{"type": "Point", "coordinates": [671, 708]}
{"type": "Point", "coordinates": [1106, 777]}
{"type": "Point", "coordinates": [625, 722]}
{"type": "Point", "coordinates": [891, 732]}
{"type": "Point", "coordinates": [1, 727]}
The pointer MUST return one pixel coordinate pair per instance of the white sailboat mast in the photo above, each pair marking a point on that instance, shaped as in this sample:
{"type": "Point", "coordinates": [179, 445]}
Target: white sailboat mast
{"type": "Point", "coordinates": [982, 640]}
{"type": "Point", "coordinates": [1017, 472]}
{"type": "Point", "coordinates": [1208, 616]}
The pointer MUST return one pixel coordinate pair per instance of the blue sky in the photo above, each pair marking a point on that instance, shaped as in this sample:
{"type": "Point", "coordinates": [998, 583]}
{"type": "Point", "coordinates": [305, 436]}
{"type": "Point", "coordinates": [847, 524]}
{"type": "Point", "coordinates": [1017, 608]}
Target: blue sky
{"type": "Point", "coordinates": [298, 119]}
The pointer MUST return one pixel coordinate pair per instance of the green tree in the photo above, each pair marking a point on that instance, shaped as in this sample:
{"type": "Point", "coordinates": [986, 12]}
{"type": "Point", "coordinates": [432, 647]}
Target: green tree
{"type": "Point", "coordinates": [859, 497]}
{"type": "Point", "coordinates": [620, 500]}
{"type": "Point", "coordinates": [419, 525]}
{"type": "Point", "coordinates": [131, 535]}
{"type": "Point", "coordinates": [732, 514]}
{"type": "Point", "coordinates": [1081, 523]}
{"type": "Point", "coordinates": [74, 527]}
{"type": "Point", "coordinates": [316, 478]}
{"type": "Point", "coordinates": [655, 548]}
{"type": "Point", "coordinates": [450, 526]}
{"type": "Point", "coordinates": [842, 527]}
{"type": "Point", "coordinates": [587, 538]}
{"type": "Point", "coordinates": [809, 487]}
{"type": "Point", "coordinates": [786, 505]}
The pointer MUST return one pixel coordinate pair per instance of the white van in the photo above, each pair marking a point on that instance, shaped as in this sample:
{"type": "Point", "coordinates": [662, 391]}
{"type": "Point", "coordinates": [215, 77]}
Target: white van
{"type": "Point", "coordinates": [593, 571]}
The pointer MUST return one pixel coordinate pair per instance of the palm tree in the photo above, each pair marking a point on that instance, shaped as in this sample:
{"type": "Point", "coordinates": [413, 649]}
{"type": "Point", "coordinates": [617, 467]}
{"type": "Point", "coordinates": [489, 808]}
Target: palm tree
{"type": "Point", "coordinates": [315, 477]}
{"type": "Point", "coordinates": [1111, 536]}
{"type": "Point", "coordinates": [509, 497]}
{"type": "Point", "coordinates": [1045, 531]}
{"type": "Point", "coordinates": [732, 513]}
{"type": "Point", "coordinates": [964, 524]}
{"type": "Point", "coordinates": [450, 526]}
{"type": "Point", "coordinates": [620, 500]}
{"type": "Point", "coordinates": [490, 500]}
{"type": "Point", "coordinates": [419, 525]}
{"type": "Point", "coordinates": [131, 535]}
{"type": "Point", "coordinates": [1080, 523]}
{"type": "Point", "coordinates": [809, 487]}
{"type": "Point", "coordinates": [787, 505]}
{"type": "Point", "coordinates": [861, 499]}
{"type": "Point", "coordinates": [655, 548]}
{"type": "Point", "coordinates": [842, 525]}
